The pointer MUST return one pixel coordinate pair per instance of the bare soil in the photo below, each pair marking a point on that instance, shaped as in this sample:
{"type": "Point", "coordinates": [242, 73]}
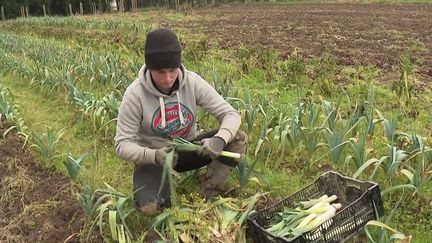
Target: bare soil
{"type": "Point", "coordinates": [356, 34]}
{"type": "Point", "coordinates": [36, 203]}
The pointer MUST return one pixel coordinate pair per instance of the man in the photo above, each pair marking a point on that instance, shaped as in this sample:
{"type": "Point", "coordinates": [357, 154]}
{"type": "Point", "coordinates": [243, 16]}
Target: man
{"type": "Point", "coordinates": [161, 105]}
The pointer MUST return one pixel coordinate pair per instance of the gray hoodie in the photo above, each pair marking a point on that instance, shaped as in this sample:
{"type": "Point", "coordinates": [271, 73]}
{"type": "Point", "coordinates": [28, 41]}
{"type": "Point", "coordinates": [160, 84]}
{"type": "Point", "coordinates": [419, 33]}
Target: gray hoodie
{"type": "Point", "coordinates": [149, 119]}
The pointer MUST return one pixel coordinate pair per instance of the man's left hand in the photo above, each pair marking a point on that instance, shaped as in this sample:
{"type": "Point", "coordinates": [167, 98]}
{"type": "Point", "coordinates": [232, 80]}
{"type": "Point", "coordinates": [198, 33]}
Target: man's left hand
{"type": "Point", "coordinates": [212, 147]}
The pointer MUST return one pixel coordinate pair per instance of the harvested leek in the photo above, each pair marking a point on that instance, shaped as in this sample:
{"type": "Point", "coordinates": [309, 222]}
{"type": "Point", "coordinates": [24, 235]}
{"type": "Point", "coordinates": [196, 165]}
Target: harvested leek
{"type": "Point", "coordinates": [184, 145]}
{"type": "Point", "coordinates": [307, 216]}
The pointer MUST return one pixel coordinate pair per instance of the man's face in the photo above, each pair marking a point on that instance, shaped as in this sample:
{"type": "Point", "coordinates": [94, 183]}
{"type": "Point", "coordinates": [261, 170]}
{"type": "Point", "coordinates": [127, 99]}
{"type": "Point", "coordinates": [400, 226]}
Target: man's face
{"type": "Point", "coordinates": [164, 78]}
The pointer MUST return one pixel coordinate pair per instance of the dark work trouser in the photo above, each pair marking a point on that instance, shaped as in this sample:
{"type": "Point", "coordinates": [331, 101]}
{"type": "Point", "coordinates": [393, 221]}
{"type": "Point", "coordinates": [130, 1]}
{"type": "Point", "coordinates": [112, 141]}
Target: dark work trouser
{"type": "Point", "coordinates": [147, 178]}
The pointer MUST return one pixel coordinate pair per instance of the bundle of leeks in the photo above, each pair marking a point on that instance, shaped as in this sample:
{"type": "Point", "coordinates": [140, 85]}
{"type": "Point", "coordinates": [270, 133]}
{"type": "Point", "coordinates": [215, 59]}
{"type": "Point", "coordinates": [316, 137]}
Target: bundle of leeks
{"type": "Point", "coordinates": [307, 216]}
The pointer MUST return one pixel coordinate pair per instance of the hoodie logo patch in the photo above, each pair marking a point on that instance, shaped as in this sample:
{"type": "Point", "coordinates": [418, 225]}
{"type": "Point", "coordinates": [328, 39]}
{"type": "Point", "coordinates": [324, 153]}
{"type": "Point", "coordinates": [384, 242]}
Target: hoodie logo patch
{"type": "Point", "coordinates": [173, 127]}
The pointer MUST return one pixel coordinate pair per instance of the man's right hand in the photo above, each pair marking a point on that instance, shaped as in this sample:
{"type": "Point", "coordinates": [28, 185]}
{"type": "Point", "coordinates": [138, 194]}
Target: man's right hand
{"type": "Point", "coordinates": [161, 155]}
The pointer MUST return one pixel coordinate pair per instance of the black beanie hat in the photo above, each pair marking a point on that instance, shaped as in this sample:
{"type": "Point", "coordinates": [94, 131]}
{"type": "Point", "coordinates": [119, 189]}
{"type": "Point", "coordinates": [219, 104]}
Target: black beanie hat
{"type": "Point", "coordinates": [162, 50]}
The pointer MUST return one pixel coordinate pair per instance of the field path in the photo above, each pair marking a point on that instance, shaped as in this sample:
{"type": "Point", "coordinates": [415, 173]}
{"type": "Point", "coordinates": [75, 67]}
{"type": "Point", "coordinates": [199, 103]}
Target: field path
{"type": "Point", "coordinates": [36, 203]}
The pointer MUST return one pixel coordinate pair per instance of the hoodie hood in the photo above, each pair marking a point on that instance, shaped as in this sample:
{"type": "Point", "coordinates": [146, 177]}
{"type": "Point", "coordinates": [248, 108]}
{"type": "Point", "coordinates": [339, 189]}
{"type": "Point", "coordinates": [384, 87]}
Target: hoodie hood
{"type": "Point", "coordinates": [145, 79]}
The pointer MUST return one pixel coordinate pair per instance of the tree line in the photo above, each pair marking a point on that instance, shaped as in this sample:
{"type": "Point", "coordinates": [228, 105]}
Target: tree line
{"type": "Point", "coordinates": [20, 8]}
{"type": "Point", "coordinates": [14, 8]}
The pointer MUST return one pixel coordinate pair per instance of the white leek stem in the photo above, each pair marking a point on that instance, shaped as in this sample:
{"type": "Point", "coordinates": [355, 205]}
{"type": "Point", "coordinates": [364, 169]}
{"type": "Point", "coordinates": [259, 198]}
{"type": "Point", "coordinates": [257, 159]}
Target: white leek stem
{"type": "Point", "coordinates": [230, 155]}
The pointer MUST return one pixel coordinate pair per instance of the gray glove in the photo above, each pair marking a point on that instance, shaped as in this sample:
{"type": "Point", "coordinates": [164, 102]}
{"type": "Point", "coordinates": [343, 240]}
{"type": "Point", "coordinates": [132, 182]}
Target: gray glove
{"type": "Point", "coordinates": [161, 154]}
{"type": "Point", "coordinates": [211, 147]}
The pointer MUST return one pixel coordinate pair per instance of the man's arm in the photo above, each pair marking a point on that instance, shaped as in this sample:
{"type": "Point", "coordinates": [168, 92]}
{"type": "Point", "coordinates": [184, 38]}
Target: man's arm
{"type": "Point", "coordinates": [229, 119]}
{"type": "Point", "coordinates": [128, 123]}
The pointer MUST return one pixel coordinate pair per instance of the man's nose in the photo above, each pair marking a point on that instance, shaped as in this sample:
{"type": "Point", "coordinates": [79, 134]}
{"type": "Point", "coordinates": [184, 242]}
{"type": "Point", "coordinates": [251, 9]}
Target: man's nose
{"type": "Point", "coordinates": [167, 77]}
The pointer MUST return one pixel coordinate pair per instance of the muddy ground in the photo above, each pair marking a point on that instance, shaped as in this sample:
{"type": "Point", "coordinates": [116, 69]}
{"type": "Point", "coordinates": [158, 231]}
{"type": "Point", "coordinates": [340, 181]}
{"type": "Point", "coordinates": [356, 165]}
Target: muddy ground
{"type": "Point", "coordinates": [36, 203]}
{"type": "Point", "coordinates": [357, 34]}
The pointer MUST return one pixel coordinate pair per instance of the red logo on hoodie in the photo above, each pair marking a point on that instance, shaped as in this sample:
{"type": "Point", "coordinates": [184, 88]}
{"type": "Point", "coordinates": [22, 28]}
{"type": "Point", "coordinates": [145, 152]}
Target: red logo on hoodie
{"type": "Point", "coordinates": [173, 125]}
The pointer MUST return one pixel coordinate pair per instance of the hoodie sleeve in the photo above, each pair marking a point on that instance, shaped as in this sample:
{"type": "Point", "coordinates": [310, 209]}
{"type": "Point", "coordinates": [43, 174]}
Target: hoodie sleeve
{"type": "Point", "coordinates": [128, 123]}
{"type": "Point", "coordinates": [209, 99]}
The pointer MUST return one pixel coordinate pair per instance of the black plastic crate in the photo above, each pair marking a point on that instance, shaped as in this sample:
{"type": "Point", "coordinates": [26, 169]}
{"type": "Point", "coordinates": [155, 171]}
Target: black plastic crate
{"type": "Point", "coordinates": [361, 202]}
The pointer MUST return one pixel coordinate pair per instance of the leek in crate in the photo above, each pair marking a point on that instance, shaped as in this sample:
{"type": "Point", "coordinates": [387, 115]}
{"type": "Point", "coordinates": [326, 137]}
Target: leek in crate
{"type": "Point", "coordinates": [307, 216]}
